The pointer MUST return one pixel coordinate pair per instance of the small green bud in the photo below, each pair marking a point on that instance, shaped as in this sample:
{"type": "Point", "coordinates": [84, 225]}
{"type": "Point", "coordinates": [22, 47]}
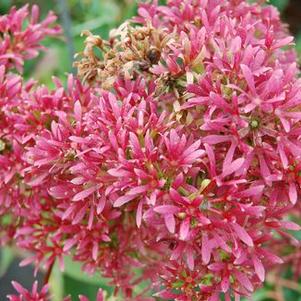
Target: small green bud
{"type": "Point", "coordinates": [254, 124]}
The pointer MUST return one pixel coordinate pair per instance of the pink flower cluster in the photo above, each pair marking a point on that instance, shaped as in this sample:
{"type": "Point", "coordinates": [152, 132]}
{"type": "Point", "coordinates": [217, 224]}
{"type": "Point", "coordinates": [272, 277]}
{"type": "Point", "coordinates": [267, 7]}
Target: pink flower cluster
{"type": "Point", "coordinates": [35, 295]}
{"type": "Point", "coordinates": [19, 44]}
{"type": "Point", "coordinates": [181, 178]}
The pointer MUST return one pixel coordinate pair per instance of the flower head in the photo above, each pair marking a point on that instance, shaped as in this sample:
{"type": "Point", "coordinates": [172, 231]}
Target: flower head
{"type": "Point", "coordinates": [176, 160]}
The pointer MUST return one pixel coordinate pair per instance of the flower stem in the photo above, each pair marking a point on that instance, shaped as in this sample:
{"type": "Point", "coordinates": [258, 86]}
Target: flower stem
{"type": "Point", "coordinates": [47, 276]}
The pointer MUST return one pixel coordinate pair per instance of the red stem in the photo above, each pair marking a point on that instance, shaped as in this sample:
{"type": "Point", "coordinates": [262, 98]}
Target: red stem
{"type": "Point", "coordinates": [47, 276]}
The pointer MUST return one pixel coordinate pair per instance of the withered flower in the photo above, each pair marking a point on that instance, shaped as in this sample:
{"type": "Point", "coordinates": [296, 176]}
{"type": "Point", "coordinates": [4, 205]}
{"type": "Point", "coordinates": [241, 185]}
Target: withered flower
{"type": "Point", "coordinates": [131, 50]}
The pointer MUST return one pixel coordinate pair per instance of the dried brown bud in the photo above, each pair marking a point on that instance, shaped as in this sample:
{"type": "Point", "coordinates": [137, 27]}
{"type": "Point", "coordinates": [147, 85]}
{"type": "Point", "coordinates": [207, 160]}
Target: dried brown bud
{"type": "Point", "coordinates": [130, 51]}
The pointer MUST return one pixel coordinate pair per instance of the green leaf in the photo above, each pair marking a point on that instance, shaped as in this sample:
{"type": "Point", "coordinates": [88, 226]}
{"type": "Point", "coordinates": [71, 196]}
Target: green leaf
{"type": "Point", "coordinates": [6, 259]}
{"type": "Point", "coordinates": [4, 6]}
{"type": "Point", "coordinates": [290, 294]}
{"type": "Point", "coordinates": [298, 44]}
{"type": "Point", "coordinates": [128, 10]}
{"type": "Point", "coordinates": [100, 13]}
{"type": "Point", "coordinates": [56, 284]}
{"type": "Point", "coordinates": [75, 287]}
{"type": "Point", "coordinates": [280, 4]}
{"type": "Point", "coordinates": [73, 270]}
{"type": "Point", "coordinates": [260, 295]}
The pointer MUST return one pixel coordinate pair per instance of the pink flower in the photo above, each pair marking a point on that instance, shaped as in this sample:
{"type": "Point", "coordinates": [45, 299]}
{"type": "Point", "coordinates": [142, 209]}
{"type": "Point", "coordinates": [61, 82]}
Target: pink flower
{"type": "Point", "coordinates": [18, 44]}
{"type": "Point", "coordinates": [26, 295]}
{"type": "Point", "coordinates": [42, 295]}
{"type": "Point", "coordinates": [175, 177]}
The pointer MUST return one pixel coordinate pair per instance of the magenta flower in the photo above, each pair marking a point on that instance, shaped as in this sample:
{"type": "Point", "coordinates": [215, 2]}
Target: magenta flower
{"type": "Point", "coordinates": [174, 167]}
{"type": "Point", "coordinates": [33, 295]}
{"type": "Point", "coordinates": [42, 295]}
{"type": "Point", "coordinates": [17, 44]}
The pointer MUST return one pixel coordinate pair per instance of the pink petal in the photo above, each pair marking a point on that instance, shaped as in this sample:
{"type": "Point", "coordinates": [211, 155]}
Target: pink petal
{"type": "Point", "coordinates": [215, 139]}
{"type": "Point", "coordinates": [249, 78]}
{"type": "Point", "coordinates": [100, 296]}
{"type": "Point", "coordinates": [27, 261]}
{"type": "Point", "coordinates": [101, 204]}
{"type": "Point", "coordinates": [244, 281]}
{"type": "Point", "coordinates": [139, 214]}
{"type": "Point", "coordinates": [80, 215]}
{"type": "Point", "coordinates": [69, 243]}
{"type": "Point", "coordinates": [84, 194]}
{"type": "Point", "coordinates": [288, 225]}
{"type": "Point", "coordinates": [252, 191]}
{"type": "Point", "coordinates": [38, 180]}
{"type": "Point", "coordinates": [60, 191]}
{"type": "Point", "coordinates": [184, 229]}
{"type": "Point", "coordinates": [283, 42]}
{"type": "Point", "coordinates": [233, 167]}
{"type": "Point", "coordinates": [193, 156]}
{"type": "Point", "coordinates": [190, 259]}
{"type": "Point", "coordinates": [243, 234]}
{"type": "Point", "coordinates": [206, 249]}
{"type": "Point", "coordinates": [123, 200]}
{"type": "Point", "coordinates": [167, 209]}
{"type": "Point", "coordinates": [177, 252]}
{"type": "Point", "coordinates": [286, 124]}
{"type": "Point", "coordinates": [216, 267]}
{"type": "Point", "coordinates": [19, 288]}
{"type": "Point", "coordinates": [193, 147]}
{"type": "Point", "coordinates": [229, 155]}
{"type": "Point", "coordinates": [292, 192]}
{"type": "Point", "coordinates": [282, 154]}
{"type": "Point", "coordinates": [78, 110]}
{"type": "Point", "coordinates": [95, 251]}
{"type": "Point", "coordinates": [225, 284]}
{"type": "Point", "coordinates": [170, 223]}
{"type": "Point", "coordinates": [138, 190]}
{"type": "Point", "coordinates": [259, 268]}
{"type": "Point", "coordinates": [135, 145]}
{"type": "Point", "coordinates": [118, 172]}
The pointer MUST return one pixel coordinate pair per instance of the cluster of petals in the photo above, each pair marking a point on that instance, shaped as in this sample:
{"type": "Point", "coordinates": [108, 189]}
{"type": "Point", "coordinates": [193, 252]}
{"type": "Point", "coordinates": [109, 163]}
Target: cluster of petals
{"type": "Point", "coordinates": [19, 44]}
{"type": "Point", "coordinates": [182, 178]}
{"type": "Point", "coordinates": [42, 295]}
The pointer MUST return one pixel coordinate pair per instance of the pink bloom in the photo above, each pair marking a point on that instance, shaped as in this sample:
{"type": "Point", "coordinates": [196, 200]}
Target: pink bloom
{"type": "Point", "coordinates": [176, 178]}
{"type": "Point", "coordinates": [26, 295]}
{"type": "Point", "coordinates": [19, 44]}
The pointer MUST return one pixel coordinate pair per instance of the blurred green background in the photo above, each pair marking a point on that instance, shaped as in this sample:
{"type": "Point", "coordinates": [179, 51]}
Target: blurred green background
{"type": "Point", "coordinates": [99, 16]}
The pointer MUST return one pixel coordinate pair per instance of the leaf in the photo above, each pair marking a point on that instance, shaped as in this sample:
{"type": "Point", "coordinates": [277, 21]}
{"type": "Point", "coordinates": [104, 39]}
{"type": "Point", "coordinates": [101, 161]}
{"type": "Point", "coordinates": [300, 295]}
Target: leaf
{"type": "Point", "coordinates": [6, 259]}
{"type": "Point", "coordinates": [290, 294]}
{"type": "Point", "coordinates": [73, 270]}
{"type": "Point", "coordinates": [259, 295]}
{"type": "Point", "coordinates": [75, 287]}
{"type": "Point", "coordinates": [4, 6]}
{"type": "Point", "coordinates": [56, 284]}
{"type": "Point", "coordinates": [280, 4]}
